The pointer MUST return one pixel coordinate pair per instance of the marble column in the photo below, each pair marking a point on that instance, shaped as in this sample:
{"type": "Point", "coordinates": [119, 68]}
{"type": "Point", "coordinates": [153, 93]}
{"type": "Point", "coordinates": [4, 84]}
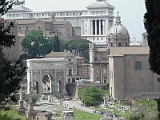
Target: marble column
{"type": "Point", "coordinates": [28, 80]}
{"type": "Point", "coordinates": [55, 76]}
{"type": "Point", "coordinates": [99, 27]}
{"type": "Point", "coordinates": [103, 27]}
{"type": "Point", "coordinates": [40, 83]}
{"type": "Point", "coordinates": [91, 27]}
{"type": "Point", "coordinates": [95, 27]}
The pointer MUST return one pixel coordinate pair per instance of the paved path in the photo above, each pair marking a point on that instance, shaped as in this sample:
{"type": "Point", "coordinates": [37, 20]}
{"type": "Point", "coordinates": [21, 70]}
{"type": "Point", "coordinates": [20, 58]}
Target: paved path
{"type": "Point", "coordinates": [65, 105]}
{"type": "Point", "coordinates": [77, 105]}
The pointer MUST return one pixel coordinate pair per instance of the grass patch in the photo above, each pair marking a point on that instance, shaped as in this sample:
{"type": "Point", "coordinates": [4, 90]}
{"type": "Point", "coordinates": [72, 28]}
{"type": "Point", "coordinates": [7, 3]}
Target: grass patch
{"type": "Point", "coordinates": [79, 115]}
{"type": "Point", "coordinates": [10, 114]}
{"type": "Point", "coordinates": [82, 115]}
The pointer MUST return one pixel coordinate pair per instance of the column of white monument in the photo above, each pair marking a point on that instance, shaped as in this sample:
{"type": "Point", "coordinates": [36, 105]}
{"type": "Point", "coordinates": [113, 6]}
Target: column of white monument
{"type": "Point", "coordinates": [103, 27]}
{"type": "Point", "coordinates": [95, 27]}
{"type": "Point", "coordinates": [100, 27]}
{"type": "Point", "coordinates": [91, 27]}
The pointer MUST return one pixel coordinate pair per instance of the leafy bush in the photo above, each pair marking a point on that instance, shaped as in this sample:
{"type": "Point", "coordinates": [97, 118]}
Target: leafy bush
{"type": "Point", "coordinates": [10, 114]}
{"type": "Point", "coordinates": [91, 95]}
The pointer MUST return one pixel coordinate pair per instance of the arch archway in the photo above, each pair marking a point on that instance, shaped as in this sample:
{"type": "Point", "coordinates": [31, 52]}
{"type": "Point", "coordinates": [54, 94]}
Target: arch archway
{"type": "Point", "coordinates": [48, 71]}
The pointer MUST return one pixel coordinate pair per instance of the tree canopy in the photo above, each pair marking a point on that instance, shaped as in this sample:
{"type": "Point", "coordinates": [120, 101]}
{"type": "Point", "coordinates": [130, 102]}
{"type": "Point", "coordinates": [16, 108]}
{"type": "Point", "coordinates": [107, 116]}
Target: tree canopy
{"type": "Point", "coordinates": [78, 44]}
{"type": "Point", "coordinates": [152, 26]}
{"type": "Point", "coordinates": [144, 109]}
{"type": "Point", "coordinates": [91, 95]}
{"type": "Point", "coordinates": [10, 71]}
{"type": "Point", "coordinates": [35, 45]}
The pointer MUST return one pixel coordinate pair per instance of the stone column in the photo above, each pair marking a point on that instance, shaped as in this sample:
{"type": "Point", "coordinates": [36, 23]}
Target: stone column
{"type": "Point", "coordinates": [21, 107]}
{"type": "Point", "coordinates": [55, 76]}
{"type": "Point", "coordinates": [40, 85]}
{"type": "Point", "coordinates": [30, 113]}
{"type": "Point", "coordinates": [103, 27]}
{"type": "Point", "coordinates": [95, 27]}
{"type": "Point", "coordinates": [92, 72]}
{"type": "Point", "coordinates": [91, 27]}
{"type": "Point", "coordinates": [31, 79]}
{"type": "Point", "coordinates": [99, 27]}
{"type": "Point", "coordinates": [28, 80]}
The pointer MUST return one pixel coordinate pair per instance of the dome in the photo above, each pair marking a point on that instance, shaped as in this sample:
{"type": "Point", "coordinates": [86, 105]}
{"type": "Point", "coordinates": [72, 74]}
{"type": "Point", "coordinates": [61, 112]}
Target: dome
{"type": "Point", "coordinates": [118, 28]}
{"type": "Point", "coordinates": [118, 35]}
{"type": "Point", "coordinates": [100, 5]}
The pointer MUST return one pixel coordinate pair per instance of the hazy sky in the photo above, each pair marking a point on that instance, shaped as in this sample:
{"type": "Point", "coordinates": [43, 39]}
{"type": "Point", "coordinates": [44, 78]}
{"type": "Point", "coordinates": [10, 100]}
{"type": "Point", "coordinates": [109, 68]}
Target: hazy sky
{"type": "Point", "coordinates": [131, 11]}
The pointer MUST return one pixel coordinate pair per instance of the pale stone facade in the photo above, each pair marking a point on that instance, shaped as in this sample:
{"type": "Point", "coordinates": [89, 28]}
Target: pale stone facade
{"type": "Point", "coordinates": [129, 74]}
{"type": "Point", "coordinates": [98, 64]}
{"type": "Point", "coordinates": [38, 68]}
{"type": "Point", "coordinates": [71, 65]}
{"type": "Point", "coordinates": [50, 27]}
{"type": "Point", "coordinates": [94, 22]}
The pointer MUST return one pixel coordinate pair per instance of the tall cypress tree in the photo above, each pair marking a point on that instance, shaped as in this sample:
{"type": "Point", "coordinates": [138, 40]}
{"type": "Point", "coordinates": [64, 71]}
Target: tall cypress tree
{"type": "Point", "coordinates": [56, 44]}
{"type": "Point", "coordinates": [10, 72]}
{"type": "Point", "coordinates": [152, 26]}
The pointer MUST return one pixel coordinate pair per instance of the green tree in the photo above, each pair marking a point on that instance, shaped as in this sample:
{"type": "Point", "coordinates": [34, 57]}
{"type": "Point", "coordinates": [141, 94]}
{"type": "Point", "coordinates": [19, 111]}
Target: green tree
{"type": "Point", "coordinates": [144, 109]}
{"type": "Point", "coordinates": [78, 44]}
{"type": "Point", "coordinates": [91, 95]}
{"type": "Point", "coordinates": [56, 44]}
{"type": "Point", "coordinates": [152, 26]}
{"type": "Point", "coordinates": [10, 71]}
{"type": "Point", "coordinates": [35, 45]}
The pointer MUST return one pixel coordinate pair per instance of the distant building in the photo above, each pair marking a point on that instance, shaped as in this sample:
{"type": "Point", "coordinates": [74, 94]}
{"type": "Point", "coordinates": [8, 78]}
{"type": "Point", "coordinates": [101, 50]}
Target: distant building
{"type": "Point", "coordinates": [124, 66]}
{"type": "Point", "coordinates": [118, 36]}
{"type": "Point", "coordinates": [144, 39]}
{"type": "Point", "coordinates": [129, 74]}
{"type": "Point", "coordinates": [94, 22]}
{"type": "Point", "coordinates": [71, 65]}
{"type": "Point", "coordinates": [83, 69]}
{"type": "Point", "coordinates": [12, 53]}
{"type": "Point", "coordinates": [135, 43]}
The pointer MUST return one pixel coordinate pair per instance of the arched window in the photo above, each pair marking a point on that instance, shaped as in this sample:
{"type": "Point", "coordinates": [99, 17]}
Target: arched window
{"type": "Point", "coordinates": [137, 65]}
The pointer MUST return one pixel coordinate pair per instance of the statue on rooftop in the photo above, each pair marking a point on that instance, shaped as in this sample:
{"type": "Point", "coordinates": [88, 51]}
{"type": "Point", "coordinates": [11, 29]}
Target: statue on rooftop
{"type": "Point", "coordinates": [17, 2]}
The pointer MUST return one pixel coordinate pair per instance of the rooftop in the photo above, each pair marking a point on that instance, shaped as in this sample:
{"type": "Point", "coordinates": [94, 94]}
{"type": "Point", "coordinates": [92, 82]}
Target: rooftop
{"type": "Point", "coordinates": [121, 51]}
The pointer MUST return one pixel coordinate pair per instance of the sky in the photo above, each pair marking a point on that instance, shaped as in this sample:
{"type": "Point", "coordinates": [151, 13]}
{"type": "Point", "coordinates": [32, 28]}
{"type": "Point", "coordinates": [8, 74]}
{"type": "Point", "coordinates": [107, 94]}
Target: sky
{"type": "Point", "coordinates": [131, 11]}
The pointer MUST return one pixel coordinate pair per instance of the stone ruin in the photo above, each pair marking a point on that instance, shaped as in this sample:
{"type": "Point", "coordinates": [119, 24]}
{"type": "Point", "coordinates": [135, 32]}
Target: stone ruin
{"type": "Point", "coordinates": [68, 115]}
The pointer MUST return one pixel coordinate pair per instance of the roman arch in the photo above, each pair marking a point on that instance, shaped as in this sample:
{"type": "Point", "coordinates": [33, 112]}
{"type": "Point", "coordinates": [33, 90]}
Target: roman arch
{"type": "Point", "coordinates": [53, 67]}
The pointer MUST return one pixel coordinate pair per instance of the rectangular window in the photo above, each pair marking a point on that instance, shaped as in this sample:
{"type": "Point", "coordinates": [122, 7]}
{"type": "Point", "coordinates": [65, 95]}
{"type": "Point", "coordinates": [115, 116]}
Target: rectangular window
{"type": "Point", "coordinates": [119, 44]}
{"type": "Point", "coordinates": [70, 72]}
{"type": "Point", "coordinates": [137, 65]}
